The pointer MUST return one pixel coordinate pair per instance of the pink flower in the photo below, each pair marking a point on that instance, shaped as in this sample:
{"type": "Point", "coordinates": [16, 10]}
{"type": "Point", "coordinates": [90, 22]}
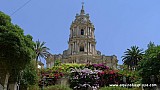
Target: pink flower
{"type": "Point", "coordinates": [111, 72]}
{"type": "Point", "coordinates": [102, 72]}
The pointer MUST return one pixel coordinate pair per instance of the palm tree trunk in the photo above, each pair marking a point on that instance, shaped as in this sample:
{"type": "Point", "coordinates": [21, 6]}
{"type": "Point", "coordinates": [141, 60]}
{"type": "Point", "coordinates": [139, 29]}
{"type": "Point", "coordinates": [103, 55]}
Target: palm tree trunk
{"type": "Point", "coordinates": [37, 64]}
{"type": "Point", "coordinates": [36, 61]}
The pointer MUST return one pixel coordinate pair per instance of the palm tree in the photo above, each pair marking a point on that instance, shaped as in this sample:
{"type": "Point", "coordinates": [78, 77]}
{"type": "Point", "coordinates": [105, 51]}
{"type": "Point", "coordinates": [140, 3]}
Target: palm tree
{"type": "Point", "coordinates": [41, 51]}
{"type": "Point", "coordinates": [132, 56]}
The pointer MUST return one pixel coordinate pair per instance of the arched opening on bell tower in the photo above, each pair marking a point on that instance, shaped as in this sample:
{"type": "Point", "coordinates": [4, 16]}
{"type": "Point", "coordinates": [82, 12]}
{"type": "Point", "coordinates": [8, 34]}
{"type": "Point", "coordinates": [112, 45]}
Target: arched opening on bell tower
{"type": "Point", "coordinates": [82, 32]}
{"type": "Point", "coordinates": [81, 48]}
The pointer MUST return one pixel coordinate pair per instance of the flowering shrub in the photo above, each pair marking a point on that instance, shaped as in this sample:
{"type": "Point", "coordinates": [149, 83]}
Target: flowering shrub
{"type": "Point", "coordinates": [50, 78]}
{"type": "Point", "coordinates": [97, 66]}
{"type": "Point", "coordinates": [65, 68]}
{"type": "Point", "coordinates": [109, 77]}
{"type": "Point", "coordinates": [94, 76]}
{"type": "Point", "coordinates": [51, 75]}
{"type": "Point", "coordinates": [84, 78]}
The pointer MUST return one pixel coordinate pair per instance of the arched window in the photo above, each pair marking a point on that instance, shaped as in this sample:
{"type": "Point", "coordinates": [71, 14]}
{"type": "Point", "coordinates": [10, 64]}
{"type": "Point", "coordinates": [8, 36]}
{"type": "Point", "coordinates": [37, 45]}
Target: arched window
{"type": "Point", "coordinates": [81, 48]}
{"type": "Point", "coordinates": [82, 32]}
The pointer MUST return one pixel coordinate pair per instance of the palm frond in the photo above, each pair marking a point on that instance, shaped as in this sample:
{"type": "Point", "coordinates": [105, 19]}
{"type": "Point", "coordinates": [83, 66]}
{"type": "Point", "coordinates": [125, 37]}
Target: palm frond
{"type": "Point", "coordinates": [41, 50]}
{"type": "Point", "coordinates": [132, 56]}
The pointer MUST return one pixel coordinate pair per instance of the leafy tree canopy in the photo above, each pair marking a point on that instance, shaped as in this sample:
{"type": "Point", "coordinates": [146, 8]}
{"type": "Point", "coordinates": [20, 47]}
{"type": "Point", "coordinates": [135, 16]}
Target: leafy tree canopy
{"type": "Point", "coordinates": [29, 75]}
{"type": "Point", "coordinates": [150, 64]}
{"type": "Point", "coordinates": [16, 49]}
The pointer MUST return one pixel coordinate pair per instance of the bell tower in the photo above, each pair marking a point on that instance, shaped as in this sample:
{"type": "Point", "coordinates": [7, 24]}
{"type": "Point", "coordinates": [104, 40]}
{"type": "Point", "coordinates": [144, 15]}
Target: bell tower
{"type": "Point", "coordinates": [82, 44]}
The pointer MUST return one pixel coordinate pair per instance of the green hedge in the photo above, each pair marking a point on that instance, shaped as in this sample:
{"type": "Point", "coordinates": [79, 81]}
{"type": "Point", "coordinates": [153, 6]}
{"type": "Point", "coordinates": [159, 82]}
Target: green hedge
{"type": "Point", "coordinates": [118, 88]}
{"type": "Point", "coordinates": [33, 87]}
{"type": "Point", "coordinates": [57, 87]}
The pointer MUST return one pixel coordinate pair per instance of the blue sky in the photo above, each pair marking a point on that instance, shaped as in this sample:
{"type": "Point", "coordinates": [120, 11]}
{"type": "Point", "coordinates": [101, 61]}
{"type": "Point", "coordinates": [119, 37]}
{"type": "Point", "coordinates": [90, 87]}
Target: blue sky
{"type": "Point", "coordinates": [119, 24]}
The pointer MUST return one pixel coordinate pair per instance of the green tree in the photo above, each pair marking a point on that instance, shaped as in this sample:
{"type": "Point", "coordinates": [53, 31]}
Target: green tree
{"type": "Point", "coordinates": [16, 49]}
{"type": "Point", "coordinates": [57, 62]}
{"type": "Point", "coordinates": [41, 51]}
{"type": "Point", "coordinates": [28, 76]}
{"type": "Point", "coordinates": [132, 56]}
{"type": "Point", "coordinates": [150, 64]}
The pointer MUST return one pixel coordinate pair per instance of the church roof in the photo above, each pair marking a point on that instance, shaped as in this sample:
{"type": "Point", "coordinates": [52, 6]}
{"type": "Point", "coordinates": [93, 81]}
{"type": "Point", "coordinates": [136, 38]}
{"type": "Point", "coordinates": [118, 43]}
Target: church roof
{"type": "Point", "coordinates": [82, 17]}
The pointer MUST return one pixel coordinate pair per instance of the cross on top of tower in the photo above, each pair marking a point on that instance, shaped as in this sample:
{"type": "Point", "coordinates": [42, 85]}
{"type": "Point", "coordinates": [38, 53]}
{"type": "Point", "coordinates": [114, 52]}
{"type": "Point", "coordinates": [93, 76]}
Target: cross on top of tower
{"type": "Point", "coordinates": [82, 10]}
{"type": "Point", "coordinates": [82, 5]}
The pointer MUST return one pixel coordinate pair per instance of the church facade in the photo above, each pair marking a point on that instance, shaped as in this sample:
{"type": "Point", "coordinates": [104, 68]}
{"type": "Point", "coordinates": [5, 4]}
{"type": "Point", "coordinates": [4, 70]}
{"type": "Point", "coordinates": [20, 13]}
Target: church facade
{"type": "Point", "coordinates": [82, 45]}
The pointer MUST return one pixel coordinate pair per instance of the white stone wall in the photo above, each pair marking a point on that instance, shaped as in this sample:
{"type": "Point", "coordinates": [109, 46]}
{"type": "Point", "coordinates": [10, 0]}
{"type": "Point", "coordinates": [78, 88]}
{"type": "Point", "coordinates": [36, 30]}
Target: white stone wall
{"type": "Point", "coordinates": [1, 87]}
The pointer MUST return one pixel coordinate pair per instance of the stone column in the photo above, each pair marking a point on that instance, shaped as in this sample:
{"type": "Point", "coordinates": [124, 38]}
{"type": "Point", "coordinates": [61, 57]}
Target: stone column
{"type": "Point", "coordinates": [77, 31]}
{"type": "Point", "coordinates": [73, 47]}
{"type": "Point", "coordinates": [90, 48]}
{"type": "Point", "coordinates": [93, 49]}
{"type": "Point", "coordinates": [52, 63]}
{"type": "Point", "coordinates": [76, 47]}
{"type": "Point", "coordinates": [85, 46]}
{"type": "Point", "coordinates": [92, 33]}
{"type": "Point", "coordinates": [89, 31]}
{"type": "Point", "coordinates": [71, 33]}
{"type": "Point", "coordinates": [86, 30]}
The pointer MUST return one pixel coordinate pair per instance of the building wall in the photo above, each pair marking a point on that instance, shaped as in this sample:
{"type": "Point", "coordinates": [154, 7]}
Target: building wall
{"type": "Point", "coordinates": [110, 61]}
{"type": "Point", "coordinates": [1, 87]}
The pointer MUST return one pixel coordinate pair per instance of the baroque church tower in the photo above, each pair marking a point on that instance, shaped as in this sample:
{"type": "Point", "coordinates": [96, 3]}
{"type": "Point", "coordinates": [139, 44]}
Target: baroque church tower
{"type": "Point", "coordinates": [82, 45]}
